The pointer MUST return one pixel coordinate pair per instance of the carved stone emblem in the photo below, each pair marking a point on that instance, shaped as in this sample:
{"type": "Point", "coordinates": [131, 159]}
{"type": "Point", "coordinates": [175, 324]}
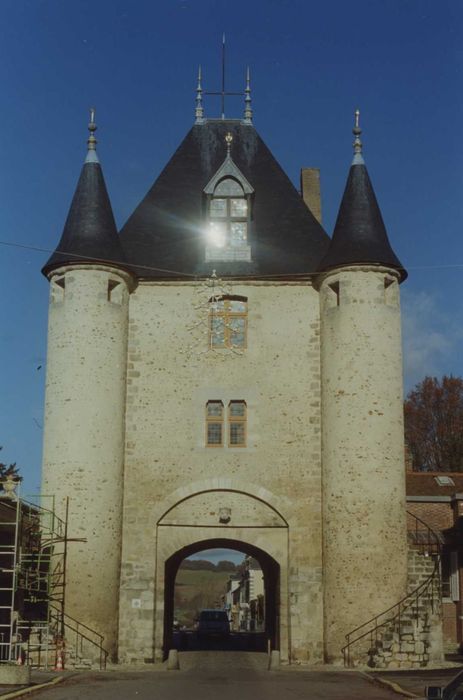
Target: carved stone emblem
{"type": "Point", "coordinates": [224, 515]}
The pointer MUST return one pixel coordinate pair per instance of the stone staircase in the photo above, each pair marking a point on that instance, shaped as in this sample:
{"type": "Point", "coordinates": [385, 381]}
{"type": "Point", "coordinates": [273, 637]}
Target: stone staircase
{"type": "Point", "coordinates": [408, 635]}
{"type": "Point", "coordinates": [413, 637]}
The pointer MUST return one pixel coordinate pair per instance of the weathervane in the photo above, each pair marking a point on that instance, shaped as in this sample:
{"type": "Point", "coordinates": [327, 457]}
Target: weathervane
{"type": "Point", "coordinates": [223, 93]}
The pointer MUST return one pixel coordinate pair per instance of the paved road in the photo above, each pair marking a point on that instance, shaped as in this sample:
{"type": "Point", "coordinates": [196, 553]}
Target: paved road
{"type": "Point", "coordinates": [416, 681]}
{"type": "Point", "coordinates": [218, 676]}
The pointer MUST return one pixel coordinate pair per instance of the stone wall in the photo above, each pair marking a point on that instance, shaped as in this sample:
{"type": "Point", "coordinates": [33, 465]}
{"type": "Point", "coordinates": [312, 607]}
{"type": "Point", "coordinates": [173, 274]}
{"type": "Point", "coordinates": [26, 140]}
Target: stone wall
{"type": "Point", "coordinates": [171, 376]}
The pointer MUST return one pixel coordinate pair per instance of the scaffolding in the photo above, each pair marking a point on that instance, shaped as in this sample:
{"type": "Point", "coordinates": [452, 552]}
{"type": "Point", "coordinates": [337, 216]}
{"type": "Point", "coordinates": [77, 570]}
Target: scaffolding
{"type": "Point", "coordinates": [34, 626]}
{"type": "Point", "coordinates": [33, 545]}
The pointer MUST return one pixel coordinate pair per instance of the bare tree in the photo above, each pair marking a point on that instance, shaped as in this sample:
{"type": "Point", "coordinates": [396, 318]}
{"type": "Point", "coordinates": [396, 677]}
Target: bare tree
{"type": "Point", "coordinates": [434, 424]}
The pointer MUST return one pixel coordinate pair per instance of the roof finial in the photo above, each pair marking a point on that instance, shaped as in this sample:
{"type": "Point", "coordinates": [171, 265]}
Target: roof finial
{"type": "Point", "coordinates": [358, 158]}
{"type": "Point", "coordinates": [91, 141]}
{"type": "Point", "coordinates": [247, 99]}
{"type": "Point", "coordinates": [228, 141]}
{"type": "Point", "coordinates": [199, 111]}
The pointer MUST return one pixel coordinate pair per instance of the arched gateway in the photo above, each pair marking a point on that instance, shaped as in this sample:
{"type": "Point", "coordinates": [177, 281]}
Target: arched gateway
{"type": "Point", "coordinates": [229, 519]}
{"type": "Point", "coordinates": [270, 570]}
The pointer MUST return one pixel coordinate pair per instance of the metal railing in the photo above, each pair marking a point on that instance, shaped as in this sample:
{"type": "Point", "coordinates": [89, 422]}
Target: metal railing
{"type": "Point", "coordinates": [370, 631]}
{"type": "Point", "coordinates": [77, 635]}
{"type": "Point", "coordinates": [40, 641]}
{"type": "Point", "coordinates": [424, 538]}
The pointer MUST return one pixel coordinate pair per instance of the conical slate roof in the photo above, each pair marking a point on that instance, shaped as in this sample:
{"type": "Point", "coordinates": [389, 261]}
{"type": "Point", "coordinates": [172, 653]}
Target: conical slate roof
{"type": "Point", "coordinates": [165, 235]}
{"type": "Point", "coordinates": [359, 233]}
{"type": "Point", "coordinates": [90, 233]}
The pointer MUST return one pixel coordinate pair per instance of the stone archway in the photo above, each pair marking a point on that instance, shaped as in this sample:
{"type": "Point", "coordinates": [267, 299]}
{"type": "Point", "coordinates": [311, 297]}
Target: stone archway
{"type": "Point", "coordinates": [253, 526]}
{"type": "Point", "coordinates": [270, 570]}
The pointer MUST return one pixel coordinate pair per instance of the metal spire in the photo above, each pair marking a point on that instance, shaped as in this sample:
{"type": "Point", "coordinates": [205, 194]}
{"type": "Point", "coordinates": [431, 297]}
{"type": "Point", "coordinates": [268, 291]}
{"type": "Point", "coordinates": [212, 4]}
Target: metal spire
{"type": "Point", "coordinates": [223, 76]}
{"type": "Point", "coordinates": [199, 111]}
{"type": "Point", "coordinates": [91, 141]}
{"type": "Point", "coordinates": [247, 99]}
{"type": "Point", "coordinates": [358, 158]}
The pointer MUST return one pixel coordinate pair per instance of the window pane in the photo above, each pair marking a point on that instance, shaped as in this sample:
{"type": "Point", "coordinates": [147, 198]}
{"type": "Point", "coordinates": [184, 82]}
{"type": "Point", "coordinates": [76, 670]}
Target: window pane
{"type": "Point", "coordinates": [238, 233]}
{"type": "Point", "coordinates": [238, 207]}
{"type": "Point", "coordinates": [237, 326]}
{"type": "Point", "coordinates": [214, 433]}
{"type": "Point", "coordinates": [236, 433]}
{"type": "Point", "coordinates": [237, 408]}
{"type": "Point", "coordinates": [215, 408]}
{"type": "Point", "coordinates": [217, 234]}
{"type": "Point", "coordinates": [237, 306]}
{"type": "Point", "coordinates": [219, 207]}
{"type": "Point", "coordinates": [217, 331]}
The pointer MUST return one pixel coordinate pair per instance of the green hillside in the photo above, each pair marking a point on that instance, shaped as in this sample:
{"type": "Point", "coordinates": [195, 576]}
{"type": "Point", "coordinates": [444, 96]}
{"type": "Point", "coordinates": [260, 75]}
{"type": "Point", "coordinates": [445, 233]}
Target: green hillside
{"type": "Point", "coordinates": [198, 589]}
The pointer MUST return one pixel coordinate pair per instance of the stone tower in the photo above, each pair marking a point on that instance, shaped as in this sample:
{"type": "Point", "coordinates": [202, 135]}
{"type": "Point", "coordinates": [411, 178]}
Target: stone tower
{"type": "Point", "coordinates": [85, 396]}
{"type": "Point", "coordinates": [364, 530]}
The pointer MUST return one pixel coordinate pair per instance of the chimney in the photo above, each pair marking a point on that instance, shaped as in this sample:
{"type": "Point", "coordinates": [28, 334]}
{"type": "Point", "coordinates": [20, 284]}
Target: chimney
{"type": "Point", "coordinates": [310, 190]}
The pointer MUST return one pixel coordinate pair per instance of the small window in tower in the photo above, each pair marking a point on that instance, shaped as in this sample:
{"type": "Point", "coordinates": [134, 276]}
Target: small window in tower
{"type": "Point", "coordinates": [114, 291]}
{"type": "Point", "coordinates": [228, 322]}
{"type": "Point", "coordinates": [214, 424]}
{"type": "Point", "coordinates": [237, 424]}
{"type": "Point", "coordinates": [58, 286]}
{"type": "Point", "coordinates": [391, 291]}
{"type": "Point", "coordinates": [333, 294]}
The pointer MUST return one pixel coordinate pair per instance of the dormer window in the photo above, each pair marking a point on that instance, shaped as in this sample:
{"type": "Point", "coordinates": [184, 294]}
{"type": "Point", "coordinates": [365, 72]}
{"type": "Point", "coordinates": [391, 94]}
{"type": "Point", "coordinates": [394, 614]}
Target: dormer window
{"type": "Point", "coordinates": [228, 213]}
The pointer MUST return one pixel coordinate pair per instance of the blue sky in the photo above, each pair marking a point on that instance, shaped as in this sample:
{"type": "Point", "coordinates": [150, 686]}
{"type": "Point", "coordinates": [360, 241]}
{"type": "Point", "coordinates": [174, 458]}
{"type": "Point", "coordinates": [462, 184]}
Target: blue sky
{"type": "Point", "coordinates": [312, 64]}
{"type": "Point", "coordinates": [216, 555]}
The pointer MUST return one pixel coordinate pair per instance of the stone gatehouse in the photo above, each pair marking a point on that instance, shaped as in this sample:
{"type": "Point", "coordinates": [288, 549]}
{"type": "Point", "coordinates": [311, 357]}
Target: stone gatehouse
{"type": "Point", "coordinates": [223, 373]}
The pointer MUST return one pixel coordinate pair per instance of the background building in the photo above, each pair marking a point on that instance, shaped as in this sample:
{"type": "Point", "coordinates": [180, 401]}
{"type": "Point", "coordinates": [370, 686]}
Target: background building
{"type": "Point", "coordinates": [437, 500]}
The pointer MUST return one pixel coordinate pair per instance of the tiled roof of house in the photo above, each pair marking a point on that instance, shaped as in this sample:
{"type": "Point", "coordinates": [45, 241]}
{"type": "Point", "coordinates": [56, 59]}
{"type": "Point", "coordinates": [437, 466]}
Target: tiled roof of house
{"type": "Point", "coordinates": [426, 484]}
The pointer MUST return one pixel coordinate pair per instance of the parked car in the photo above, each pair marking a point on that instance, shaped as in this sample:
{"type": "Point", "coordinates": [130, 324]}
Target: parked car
{"type": "Point", "coordinates": [213, 623]}
{"type": "Point", "coordinates": [452, 691]}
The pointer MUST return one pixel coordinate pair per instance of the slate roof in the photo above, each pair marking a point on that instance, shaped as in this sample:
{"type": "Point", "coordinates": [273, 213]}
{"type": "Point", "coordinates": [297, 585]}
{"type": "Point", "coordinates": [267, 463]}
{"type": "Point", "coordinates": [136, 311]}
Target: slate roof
{"type": "Point", "coordinates": [166, 230]}
{"type": "Point", "coordinates": [90, 233]}
{"type": "Point", "coordinates": [359, 233]}
{"type": "Point", "coordinates": [425, 484]}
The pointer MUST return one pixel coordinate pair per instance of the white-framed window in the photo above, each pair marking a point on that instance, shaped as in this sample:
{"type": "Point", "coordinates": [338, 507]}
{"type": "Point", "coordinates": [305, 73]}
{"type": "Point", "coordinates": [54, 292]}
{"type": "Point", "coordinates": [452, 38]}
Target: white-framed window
{"type": "Point", "coordinates": [450, 576]}
{"type": "Point", "coordinates": [237, 424]}
{"type": "Point", "coordinates": [214, 423]}
{"type": "Point", "coordinates": [228, 215]}
{"type": "Point", "coordinates": [234, 420]}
